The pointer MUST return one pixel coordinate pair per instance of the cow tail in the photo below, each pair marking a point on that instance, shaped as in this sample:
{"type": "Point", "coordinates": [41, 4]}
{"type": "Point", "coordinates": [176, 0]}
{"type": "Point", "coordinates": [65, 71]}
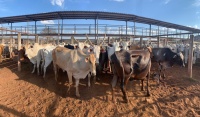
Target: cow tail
{"type": "Point", "coordinates": [123, 76]}
{"type": "Point", "coordinates": [42, 54]}
{"type": "Point", "coordinates": [118, 67]}
{"type": "Point", "coordinates": [54, 55]}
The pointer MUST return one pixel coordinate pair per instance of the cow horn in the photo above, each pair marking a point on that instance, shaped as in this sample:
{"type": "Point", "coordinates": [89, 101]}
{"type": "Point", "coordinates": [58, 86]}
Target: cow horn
{"type": "Point", "coordinates": [85, 41]}
{"type": "Point", "coordinates": [103, 40]}
{"type": "Point", "coordinates": [75, 39]}
{"type": "Point", "coordinates": [89, 40]}
{"type": "Point", "coordinates": [129, 41]}
{"type": "Point", "coordinates": [174, 56]}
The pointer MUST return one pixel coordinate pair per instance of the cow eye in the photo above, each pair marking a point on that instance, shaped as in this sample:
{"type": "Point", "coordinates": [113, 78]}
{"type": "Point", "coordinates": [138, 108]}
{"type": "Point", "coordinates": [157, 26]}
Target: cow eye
{"type": "Point", "coordinates": [134, 56]}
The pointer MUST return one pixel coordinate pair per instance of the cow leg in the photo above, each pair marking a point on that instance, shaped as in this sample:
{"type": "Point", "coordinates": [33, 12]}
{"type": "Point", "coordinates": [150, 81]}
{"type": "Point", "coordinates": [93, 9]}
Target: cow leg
{"type": "Point", "coordinates": [142, 87]}
{"type": "Point", "coordinates": [123, 89]}
{"type": "Point", "coordinates": [148, 77]}
{"type": "Point", "coordinates": [38, 68]}
{"type": "Point", "coordinates": [109, 66]}
{"type": "Point", "coordinates": [77, 91]}
{"type": "Point", "coordinates": [186, 59]}
{"type": "Point", "coordinates": [34, 68]}
{"type": "Point", "coordinates": [55, 71]}
{"type": "Point", "coordinates": [42, 66]}
{"type": "Point", "coordinates": [47, 62]}
{"type": "Point", "coordinates": [89, 76]}
{"type": "Point", "coordinates": [113, 85]}
{"type": "Point", "coordinates": [69, 74]}
{"type": "Point", "coordinates": [163, 73]}
{"type": "Point", "coordinates": [160, 72]}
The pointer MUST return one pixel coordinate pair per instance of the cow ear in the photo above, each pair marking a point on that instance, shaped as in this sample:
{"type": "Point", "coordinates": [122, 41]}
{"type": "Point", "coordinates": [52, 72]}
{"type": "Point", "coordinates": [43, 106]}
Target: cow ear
{"type": "Point", "coordinates": [86, 59]}
{"type": "Point", "coordinates": [174, 56]}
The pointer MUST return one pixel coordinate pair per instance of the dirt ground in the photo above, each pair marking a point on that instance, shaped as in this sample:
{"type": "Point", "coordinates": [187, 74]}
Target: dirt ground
{"type": "Point", "coordinates": [23, 94]}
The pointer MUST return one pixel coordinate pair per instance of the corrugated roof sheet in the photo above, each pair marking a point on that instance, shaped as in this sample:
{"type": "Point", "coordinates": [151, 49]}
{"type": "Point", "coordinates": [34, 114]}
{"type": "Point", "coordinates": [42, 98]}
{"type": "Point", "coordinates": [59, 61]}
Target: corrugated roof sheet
{"type": "Point", "coordinates": [94, 15]}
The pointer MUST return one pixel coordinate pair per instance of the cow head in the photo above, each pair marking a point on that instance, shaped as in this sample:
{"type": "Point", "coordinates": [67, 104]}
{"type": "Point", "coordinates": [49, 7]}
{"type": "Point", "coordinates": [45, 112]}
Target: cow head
{"type": "Point", "coordinates": [116, 46]}
{"type": "Point", "coordinates": [91, 59]}
{"type": "Point", "coordinates": [96, 50]}
{"type": "Point", "coordinates": [30, 51]}
{"type": "Point", "coordinates": [81, 45]}
{"type": "Point", "coordinates": [179, 59]}
{"type": "Point", "coordinates": [125, 45]}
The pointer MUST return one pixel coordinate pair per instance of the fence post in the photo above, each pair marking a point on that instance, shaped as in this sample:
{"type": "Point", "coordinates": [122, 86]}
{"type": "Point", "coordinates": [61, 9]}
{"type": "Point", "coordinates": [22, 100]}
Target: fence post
{"type": "Point", "coordinates": [158, 41]}
{"type": "Point", "coordinates": [72, 40]}
{"type": "Point", "coordinates": [141, 40]}
{"type": "Point", "coordinates": [36, 39]}
{"type": "Point", "coordinates": [19, 47]}
{"type": "Point", "coordinates": [190, 56]}
{"type": "Point", "coordinates": [108, 40]}
{"type": "Point", "coordinates": [10, 47]}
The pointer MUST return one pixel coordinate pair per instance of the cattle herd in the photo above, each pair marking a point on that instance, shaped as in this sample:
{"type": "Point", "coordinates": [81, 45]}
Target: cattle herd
{"type": "Point", "coordinates": [124, 60]}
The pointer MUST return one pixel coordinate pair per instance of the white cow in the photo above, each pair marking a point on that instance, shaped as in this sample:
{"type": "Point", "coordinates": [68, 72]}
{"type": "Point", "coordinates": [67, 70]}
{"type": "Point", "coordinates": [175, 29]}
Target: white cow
{"type": "Point", "coordinates": [194, 54]}
{"type": "Point", "coordinates": [75, 62]}
{"type": "Point", "coordinates": [174, 48]}
{"type": "Point", "coordinates": [112, 50]}
{"type": "Point", "coordinates": [31, 53]}
{"type": "Point", "coordinates": [46, 57]}
{"type": "Point", "coordinates": [125, 45]}
{"type": "Point", "coordinates": [35, 54]}
{"type": "Point", "coordinates": [198, 50]}
{"type": "Point", "coordinates": [181, 48]}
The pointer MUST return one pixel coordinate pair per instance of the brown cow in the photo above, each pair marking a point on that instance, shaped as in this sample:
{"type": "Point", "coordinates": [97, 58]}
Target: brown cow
{"type": "Point", "coordinates": [129, 65]}
{"type": "Point", "coordinates": [1, 52]}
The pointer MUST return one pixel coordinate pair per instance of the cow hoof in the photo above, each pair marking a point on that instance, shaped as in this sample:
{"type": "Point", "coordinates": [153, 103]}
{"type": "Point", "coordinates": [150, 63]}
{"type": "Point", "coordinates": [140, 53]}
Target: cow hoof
{"type": "Point", "coordinates": [114, 101]}
{"type": "Point", "coordinates": [78, 95]}
{"type": "Point", "coordinates": [88, 86]}
{"type": "Point", "coordinates": [148, 95]}
{"type": "Point", "coordinates": [98, 79]}
{"type": "Point", "coordinates": [125, 100]}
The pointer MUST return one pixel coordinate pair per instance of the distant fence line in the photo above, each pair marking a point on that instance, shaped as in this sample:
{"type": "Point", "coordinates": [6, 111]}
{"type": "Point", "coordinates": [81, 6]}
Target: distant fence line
{"type": "Point", "coordinates": [79, 29]}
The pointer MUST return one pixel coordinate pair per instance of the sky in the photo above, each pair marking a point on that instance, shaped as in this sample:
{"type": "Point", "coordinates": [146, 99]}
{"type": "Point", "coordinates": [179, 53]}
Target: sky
{"type": "Point", "coordinates": [182, 12]}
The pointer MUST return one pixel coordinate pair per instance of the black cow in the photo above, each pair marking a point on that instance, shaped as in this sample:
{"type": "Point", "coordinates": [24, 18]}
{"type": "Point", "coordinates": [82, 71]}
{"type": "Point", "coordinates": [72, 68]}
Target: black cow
{"type": "Point", "coordinates": [72, 47]}
{"type": "Point", "coordinates": [166, 58]}
{"type": "Point", "coordinates": [103, 60]}
{"type": "Point", "coordinates": [131, 64]}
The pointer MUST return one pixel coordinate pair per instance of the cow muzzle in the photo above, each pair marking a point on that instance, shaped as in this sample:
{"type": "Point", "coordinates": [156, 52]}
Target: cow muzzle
{"type": "Point", "coordinates": [93, 74]}
{"type": "Point", "coordinates": [96, 64]}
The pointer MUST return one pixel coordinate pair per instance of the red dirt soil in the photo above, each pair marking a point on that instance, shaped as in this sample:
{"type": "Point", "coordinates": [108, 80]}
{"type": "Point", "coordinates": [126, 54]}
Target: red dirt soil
{"type": "Point", "coordinates": [24, 94]}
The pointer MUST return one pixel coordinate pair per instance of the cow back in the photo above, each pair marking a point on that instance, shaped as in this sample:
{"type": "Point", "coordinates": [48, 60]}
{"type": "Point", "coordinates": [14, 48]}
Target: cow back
{"type": "Point", "coordinates": [167, 57]}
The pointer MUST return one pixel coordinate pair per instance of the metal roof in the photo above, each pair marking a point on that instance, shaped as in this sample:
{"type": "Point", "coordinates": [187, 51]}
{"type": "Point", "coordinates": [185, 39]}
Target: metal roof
{"type": "Point", "coordinates": [94, 15]}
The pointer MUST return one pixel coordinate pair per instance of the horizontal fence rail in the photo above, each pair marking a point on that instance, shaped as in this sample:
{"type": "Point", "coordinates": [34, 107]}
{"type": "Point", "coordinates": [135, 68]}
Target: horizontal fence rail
{"type": "Point", "coordinates": [90, 29]}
